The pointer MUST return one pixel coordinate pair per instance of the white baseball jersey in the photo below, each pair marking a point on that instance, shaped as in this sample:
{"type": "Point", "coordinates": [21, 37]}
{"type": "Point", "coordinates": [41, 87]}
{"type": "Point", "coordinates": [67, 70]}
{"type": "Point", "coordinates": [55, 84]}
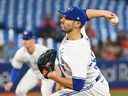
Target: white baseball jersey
{"type": "Point", "coordinates": [23, 57]}
{"type": "Point", "coordinates": [76, 60]}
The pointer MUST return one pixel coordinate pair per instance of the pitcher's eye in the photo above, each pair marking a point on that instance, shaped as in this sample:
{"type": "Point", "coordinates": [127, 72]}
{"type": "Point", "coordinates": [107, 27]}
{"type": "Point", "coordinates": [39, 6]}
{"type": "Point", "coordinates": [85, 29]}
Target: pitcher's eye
{"type": "Point", "coordinates": [61, 17]}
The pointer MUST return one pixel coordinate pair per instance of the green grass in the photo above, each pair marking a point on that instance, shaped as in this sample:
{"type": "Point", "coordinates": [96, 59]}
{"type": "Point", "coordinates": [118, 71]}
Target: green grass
{"type": "Point", "coordinates": [119, 94]}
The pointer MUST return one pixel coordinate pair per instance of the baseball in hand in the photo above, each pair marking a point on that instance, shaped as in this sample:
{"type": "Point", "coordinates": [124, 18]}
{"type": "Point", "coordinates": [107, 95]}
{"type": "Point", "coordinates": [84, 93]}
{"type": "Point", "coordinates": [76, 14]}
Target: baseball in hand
{"type": "Point", "coordinates": [114, 20]}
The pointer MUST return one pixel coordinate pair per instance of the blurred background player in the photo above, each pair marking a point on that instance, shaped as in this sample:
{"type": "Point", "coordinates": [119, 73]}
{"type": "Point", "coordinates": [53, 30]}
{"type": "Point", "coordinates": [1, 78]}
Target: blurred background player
{"type": "Point", "coordinates": [77, 61]}
{"type": "Point", "coordinates": [28, 54]}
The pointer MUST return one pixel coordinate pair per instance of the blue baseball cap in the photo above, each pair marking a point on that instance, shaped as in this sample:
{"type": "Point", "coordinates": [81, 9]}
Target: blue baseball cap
{"type": "Point", "coordinates": [27, 35]}
{"type": "Point", "coordinates": [75, 13]}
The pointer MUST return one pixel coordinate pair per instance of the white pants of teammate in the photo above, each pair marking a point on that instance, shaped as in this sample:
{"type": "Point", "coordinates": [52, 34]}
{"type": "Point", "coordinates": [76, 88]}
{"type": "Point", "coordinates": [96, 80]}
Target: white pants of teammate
{"type": "Point", "coordinates": [99, 88]}
{"type": "Point", "coordinates": [29, 81]}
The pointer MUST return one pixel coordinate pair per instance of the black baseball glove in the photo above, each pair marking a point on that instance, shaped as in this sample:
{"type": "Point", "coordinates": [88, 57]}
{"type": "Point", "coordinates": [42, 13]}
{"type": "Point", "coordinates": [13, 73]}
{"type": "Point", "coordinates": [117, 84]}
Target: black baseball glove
{"type": "Point", "coordinates": [46, 62]}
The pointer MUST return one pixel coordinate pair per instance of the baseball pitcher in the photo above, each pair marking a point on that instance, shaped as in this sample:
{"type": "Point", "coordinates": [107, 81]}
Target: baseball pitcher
{"type": "Point", "coordinates": [77, 63]}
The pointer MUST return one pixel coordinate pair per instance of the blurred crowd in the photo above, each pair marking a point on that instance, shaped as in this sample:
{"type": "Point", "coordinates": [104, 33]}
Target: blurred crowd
{"type": "Point", "coordinates": [49, 33]}
{"type": "Point", "coordinates": [112, 50]}
{"type": "Point", "coordinates": [109, 49]}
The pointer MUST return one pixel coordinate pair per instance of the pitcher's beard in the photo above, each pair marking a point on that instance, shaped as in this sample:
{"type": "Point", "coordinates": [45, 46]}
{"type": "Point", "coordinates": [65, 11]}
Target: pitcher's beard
{"type": "Point", "coordinates": [64, 29]}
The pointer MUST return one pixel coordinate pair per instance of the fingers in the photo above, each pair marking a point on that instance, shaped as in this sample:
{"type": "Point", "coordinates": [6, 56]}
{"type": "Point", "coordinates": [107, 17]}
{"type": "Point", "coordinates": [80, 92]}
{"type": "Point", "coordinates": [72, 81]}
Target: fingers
{"type": "Point", "coordinates": [45, 73]}
{"type": "Point", "coordinates": [114, 20]}
{"type": "Point", "coordinates": [110, 15]}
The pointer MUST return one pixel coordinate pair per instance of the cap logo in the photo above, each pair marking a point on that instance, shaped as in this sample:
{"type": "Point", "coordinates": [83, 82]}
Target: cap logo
{"type": "Point", "coordinates": [78, 18]}
{"type": "Point", "coordinates": [25, 33]}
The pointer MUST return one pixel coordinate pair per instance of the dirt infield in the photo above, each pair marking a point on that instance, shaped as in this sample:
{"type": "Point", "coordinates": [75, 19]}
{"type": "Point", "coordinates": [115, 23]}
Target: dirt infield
{"type": "Point", "coordinates": [114, 92]}
{"type": "Point", "coordinates": [119, 92]}
{"type": "Point", "coordinates": [29, 94]}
